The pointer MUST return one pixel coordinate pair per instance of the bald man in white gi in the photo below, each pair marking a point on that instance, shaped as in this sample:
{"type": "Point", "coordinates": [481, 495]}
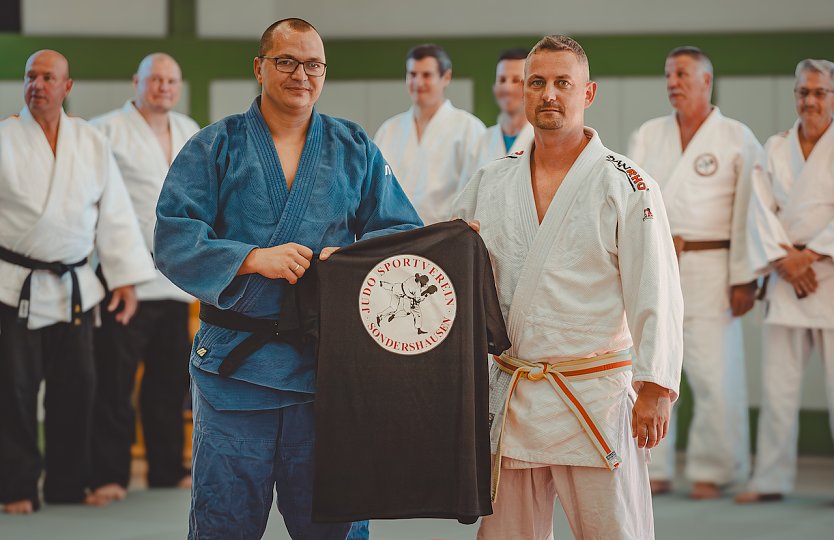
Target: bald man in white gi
{"type": "Point", "coordinates": [146, 135]}
{"type": "Point", "coordinates": [703, 162]}
{"type": "Point", "coordinates": [513, 132]}
{"type": "Point", "coordinates": [61, 196]}
{"type": "Point", "coordinates": [585, 271]}
{"type": "Point", "coordinates": [791, 235]}
{"type": "Point", "coordinates": [428, 146]}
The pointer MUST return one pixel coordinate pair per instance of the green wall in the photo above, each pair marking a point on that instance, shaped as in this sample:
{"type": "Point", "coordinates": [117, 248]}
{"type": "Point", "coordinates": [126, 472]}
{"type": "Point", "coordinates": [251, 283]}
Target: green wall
{"type": "Point", "coordinates": [205, 59]}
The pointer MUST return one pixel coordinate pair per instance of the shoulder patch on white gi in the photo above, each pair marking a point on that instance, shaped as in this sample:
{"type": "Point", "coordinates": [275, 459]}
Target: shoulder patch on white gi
{"type": "Point", "coordinates": [407, 304]}
{"type": "Point", "coordinates": [629, 171]}
{"type": "Point", "coordinates": [706, 164]}
{"type": "Point", "coordinates": [647, 214]}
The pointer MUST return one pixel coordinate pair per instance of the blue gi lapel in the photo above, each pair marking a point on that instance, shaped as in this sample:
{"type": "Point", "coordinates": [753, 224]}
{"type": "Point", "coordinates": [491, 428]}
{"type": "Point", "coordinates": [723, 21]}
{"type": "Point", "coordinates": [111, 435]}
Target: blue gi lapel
{"type": "Point", "coordinates": [292, 203]}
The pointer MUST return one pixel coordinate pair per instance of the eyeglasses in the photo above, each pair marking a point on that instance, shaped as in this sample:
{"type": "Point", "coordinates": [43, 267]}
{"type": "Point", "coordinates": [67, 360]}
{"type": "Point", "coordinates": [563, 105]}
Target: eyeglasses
{"type": "Point", "coordinates": [818, 93]}
{"type": "Point", "coordinates": [287, 64]}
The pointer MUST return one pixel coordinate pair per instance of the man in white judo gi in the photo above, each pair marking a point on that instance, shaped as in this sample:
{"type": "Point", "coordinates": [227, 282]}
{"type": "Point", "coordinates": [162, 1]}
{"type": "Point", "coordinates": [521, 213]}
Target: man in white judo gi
{"type": "Point", "coordinates": [585, 270]}
{"type": "Point", "coordinates": [61, 196]}
{"type": "Point", "coordinates": [791, 235]}
{"type": "Point", "coordinates": [145, 135]}
{"type": "Point", "coordinates": [512, 132]}
{"type": "Point", "coordinates": [428, 146]}
{"type": "Point", "coordinates": [703, 162]}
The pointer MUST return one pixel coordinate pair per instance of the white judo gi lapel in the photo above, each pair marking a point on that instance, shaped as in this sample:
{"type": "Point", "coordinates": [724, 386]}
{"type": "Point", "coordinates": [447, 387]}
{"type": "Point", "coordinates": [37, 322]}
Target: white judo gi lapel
{"type": "Point", "coordinates": [147, 140]}
{"type": "Point", "coordinates": [806, 188]}
{"type": "Point", "coordinates": [696, 159]}
{"type": "Point", "coordinates": [58, 172]}
{"type": "Point", "coordinates": [541, 237]}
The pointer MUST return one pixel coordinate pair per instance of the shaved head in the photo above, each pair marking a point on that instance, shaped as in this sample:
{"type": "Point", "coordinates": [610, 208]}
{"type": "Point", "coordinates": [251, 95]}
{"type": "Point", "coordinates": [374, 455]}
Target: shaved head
{"type": "Point", "coordinates": [46, 84]}
{"type": "Point", "coordinates": [158, 84]}
{"type": "Point", "coordinates": [58, 61]}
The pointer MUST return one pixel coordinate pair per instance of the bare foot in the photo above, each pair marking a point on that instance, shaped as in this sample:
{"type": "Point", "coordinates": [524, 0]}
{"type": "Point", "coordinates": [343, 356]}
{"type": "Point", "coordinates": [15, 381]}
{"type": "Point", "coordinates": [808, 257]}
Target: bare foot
{"type": "Point", "coordinates": [704, 491]}
{"type": "Point", "coordinates": [185, 483]}
{"type": "Point", "coordinates": [660, 487]}
{"type": "Point", "coordinates": [19, 507]}
{"type": "Point", "coordinates": [95, 500]}
{"type": "Point", "coordinates": [749, 497]}
{"type": "Point", "coordinates": [110, 492]}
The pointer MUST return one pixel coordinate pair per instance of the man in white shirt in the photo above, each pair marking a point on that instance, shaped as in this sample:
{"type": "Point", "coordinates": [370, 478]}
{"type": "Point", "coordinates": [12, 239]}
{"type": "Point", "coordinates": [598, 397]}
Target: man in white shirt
{"type": "Point", "coordinates": [791, 236]}
{"type": "Point", "coordinates": [703, 162]}
{"type": "Point", "coordinates": [428, 146]}
{"type": "Point", "coordinates": [513, 132]}
{"type": "Point", "coordinates": [146, 135]}
{"type": "Point", "coordinates": [61, 196]}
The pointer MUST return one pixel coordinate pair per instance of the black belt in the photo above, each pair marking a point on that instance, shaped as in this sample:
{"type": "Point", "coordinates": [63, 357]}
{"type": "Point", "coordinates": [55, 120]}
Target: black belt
{"type": "Point", "coordinates": [59, 269]}
{"type": "Point", "coordinates": [285, 329]}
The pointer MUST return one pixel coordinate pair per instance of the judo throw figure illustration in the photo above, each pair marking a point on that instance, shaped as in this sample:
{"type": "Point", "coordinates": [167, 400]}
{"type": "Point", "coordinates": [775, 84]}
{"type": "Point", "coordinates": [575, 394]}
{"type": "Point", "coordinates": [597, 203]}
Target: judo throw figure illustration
{"type": "Point", "coordinates": [406, 297]}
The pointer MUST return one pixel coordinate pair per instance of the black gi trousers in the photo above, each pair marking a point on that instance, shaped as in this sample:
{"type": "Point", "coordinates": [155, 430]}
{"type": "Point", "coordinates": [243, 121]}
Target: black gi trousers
{"type": "Point", "coordinates": [158, 335]}
{"type": "Point", "coordinates": [62, 355]}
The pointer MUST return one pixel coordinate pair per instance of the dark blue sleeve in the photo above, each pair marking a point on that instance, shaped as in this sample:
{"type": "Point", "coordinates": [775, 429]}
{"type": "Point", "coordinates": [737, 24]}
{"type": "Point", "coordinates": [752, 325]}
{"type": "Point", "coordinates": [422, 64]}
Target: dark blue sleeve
{"type": "Point", "coordinates": [186, 247]}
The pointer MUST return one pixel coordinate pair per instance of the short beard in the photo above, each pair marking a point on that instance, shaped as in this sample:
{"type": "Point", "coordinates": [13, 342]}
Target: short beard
{"type": "Point", "coordinates": [548, 124]}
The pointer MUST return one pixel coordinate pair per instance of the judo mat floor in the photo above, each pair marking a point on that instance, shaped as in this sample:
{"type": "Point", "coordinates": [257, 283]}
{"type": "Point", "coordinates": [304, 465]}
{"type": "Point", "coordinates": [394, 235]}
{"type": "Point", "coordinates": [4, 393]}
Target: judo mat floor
{"type": "Point", "coordinates": [161, 514]}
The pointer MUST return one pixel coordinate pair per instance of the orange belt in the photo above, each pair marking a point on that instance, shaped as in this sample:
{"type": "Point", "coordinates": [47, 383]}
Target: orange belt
{"type": "Point", "coordinates": [557, 375]}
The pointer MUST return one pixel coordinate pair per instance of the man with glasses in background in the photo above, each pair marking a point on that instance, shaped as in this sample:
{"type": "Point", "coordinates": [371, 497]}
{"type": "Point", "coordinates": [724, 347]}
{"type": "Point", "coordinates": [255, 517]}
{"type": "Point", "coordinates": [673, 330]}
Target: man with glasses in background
{"type": "Point", "coordinates": [791, 236]}
{"type": "Point", "coordinates": [429, 145]}
{"type": "Point", "coordinates": [248, 204]}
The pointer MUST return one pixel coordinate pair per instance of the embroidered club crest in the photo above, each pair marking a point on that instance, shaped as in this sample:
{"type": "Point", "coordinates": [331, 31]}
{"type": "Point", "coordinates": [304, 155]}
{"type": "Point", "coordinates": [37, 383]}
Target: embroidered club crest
{"type": "Point", "coordinates": [706, 164]}
{"type": "Point", "coordinates": [407, 304]}
{"type": "Point", "coordinates": [647, 214]}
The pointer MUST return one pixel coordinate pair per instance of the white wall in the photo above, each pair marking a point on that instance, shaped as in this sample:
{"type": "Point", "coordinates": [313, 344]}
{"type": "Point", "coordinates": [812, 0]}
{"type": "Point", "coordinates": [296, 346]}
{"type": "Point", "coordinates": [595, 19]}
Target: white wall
{"type": "Point", "coordinates": [406, 18]}
{"type": "Point", "coordinates": [148, 18]}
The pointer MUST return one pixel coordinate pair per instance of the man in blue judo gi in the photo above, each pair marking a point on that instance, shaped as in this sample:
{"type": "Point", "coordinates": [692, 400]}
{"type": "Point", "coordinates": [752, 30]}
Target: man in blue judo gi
{"type": "Point", "coordinates": [247, 205]}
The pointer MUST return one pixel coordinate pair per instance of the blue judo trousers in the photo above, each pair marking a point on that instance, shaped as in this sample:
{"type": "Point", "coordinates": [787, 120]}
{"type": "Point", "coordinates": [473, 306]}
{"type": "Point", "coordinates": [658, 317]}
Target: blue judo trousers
{"type": "Point", "coordinates": [226, 195]}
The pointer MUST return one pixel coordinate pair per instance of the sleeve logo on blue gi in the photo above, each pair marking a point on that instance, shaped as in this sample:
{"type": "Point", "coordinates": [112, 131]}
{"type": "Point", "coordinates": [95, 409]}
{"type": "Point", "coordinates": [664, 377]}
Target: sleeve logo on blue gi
{"type": "Point", "coordinates": [407, 304]}
{"type": "Point", "coordinates": [201, 352]}
{"type": "Point", "coordinates": [706, 164]}
{"type": "Point", "coordinates": [647, 214]}
{"type": "Point", "coordinates": [388, 170]}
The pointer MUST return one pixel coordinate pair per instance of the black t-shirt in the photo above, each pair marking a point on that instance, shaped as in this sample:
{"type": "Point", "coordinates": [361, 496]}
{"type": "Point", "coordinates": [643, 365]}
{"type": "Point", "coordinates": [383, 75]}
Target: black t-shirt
{"type": "Point", "coordinates": [406, 325]}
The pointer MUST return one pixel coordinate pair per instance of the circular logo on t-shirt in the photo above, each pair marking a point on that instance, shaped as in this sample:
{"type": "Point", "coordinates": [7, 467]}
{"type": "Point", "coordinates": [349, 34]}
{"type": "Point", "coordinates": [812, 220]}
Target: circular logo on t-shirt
{"type": "Point", "coordinates": [407, 304]}
{"type": "Point", "coordinates": [706, 164]}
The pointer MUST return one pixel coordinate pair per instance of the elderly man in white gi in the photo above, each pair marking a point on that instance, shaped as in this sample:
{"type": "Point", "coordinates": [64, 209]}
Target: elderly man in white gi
{"type": "Point", "coordinates": [146, 135]}
{"type": "Point", "coordinates": [61, 196]}
{"type": "Point", "coordinates": [791, 235]}
{"type": "Point", "coordinates": [703, 162]}
{"type": "Point", "coordinates": [513, 132]}
{"type": "Point", "coordinates": [428, 146]}
{"type": "Point", "coordinates": [585, 271]}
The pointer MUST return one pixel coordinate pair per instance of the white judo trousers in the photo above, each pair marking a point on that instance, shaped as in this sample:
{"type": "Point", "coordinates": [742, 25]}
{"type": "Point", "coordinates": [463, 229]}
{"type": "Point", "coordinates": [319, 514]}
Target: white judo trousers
{"type": "Point", "coordinates": [793, 203]}
{"type": "Point", "coordinates": [706, 189]}
{"type": "Point", "coordinates": [429, 169]}
{"type": "Point", "coordinates": [596, 276]}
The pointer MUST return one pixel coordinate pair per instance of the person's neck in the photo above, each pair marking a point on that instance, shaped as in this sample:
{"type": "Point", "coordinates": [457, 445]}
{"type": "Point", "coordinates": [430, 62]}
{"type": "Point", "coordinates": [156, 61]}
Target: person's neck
{"type": "Point", "coordinates": [555, 150]}
{"type": "Point", "coordinates": [48, 121]}
{"type": "Point", "coordinates": [512, 122]}
{"type": "Point", "coordinates": [423, 115]}
{"type": "Point", "coordinates": [284, 125]}
{"type": "Point", "coordinates": [811, 132]}
{"type": "Point", "coordinates": [157, 120]}
{"type": "Point", "coordinates": [691, 118]}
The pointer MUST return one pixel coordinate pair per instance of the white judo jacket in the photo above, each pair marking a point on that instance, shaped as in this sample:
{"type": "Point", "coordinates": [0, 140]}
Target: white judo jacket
{"type": "Point", "coordinates": [598, 275]}
{"type": "Point", "coordinates": [793, 203]}
{"type": "Point", "coordinates": [57, 208]}
{"type": "Point", "coordinates": [144, 166]}
{"type": "Point", "coordinates": [429, 170]}
{"type": "Point", "coordinates": [706, 189]}
{"type": "Point", "coordinates": [490, 146]}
